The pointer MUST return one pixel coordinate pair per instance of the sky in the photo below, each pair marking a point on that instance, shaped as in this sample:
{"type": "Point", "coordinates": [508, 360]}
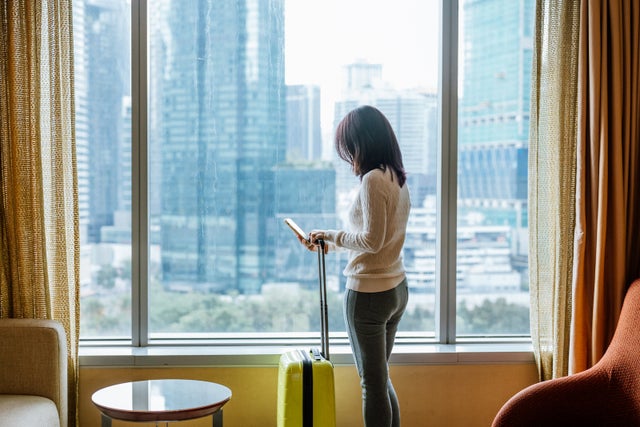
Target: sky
{"type": "Point", "coordinates": [323, 35]}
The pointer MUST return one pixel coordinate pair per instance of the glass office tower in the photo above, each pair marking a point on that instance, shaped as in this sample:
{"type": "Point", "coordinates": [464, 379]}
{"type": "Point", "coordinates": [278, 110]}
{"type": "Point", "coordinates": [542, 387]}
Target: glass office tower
{"type": "Point", "coordinates": [217, 130]}
{"type": "Point", "coordinates": [494, 104]}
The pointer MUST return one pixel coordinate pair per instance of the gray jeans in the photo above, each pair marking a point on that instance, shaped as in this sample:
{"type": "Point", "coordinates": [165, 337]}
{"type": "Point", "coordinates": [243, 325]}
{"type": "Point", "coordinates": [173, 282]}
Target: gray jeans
{"type": "Point", "coordinates": [372, 321]}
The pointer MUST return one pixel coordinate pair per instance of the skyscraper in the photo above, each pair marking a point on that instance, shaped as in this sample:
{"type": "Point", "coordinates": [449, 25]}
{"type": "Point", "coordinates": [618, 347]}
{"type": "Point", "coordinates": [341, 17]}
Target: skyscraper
{"type": "Point", "coordinates": [99, 94]}
{"type": "Point", "coordinates": [217, 129]}
{"type": "Point", "coordinates": [304, 137]}
{"type": "Point", "coordinates": [494, 111]}
{"type": "Point", "coordinates": [494, 107]}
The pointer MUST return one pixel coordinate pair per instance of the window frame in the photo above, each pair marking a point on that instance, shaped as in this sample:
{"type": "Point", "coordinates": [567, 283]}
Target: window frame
{"type": "Point", "coordinates": [446, 194]}
{"type": "Point", "coordinates": [445, 340]}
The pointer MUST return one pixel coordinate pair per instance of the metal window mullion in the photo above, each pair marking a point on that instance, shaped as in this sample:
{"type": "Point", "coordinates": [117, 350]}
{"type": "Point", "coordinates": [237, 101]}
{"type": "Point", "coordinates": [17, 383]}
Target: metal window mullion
{"type": "Point", "coordinates": [139, 205]}
{"type": "Point", "coordinates": [447, 186]}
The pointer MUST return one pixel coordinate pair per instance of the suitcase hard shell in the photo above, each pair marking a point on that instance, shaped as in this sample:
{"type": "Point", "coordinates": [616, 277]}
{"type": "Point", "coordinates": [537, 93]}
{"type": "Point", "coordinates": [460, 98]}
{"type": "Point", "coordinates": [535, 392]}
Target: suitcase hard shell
{"type": "Point", "coordinates": [306, 394]}
{"type": "Point", "coordinates": [306, 391]}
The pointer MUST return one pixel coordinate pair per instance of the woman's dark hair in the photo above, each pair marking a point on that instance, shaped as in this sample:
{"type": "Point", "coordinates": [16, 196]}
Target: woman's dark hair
{"type": "Point", "coordinates": [365, 140]}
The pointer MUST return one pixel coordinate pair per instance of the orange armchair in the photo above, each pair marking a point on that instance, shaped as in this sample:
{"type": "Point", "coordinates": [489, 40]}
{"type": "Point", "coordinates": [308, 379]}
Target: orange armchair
{"type": "Point", "coordinates": [607, 394]}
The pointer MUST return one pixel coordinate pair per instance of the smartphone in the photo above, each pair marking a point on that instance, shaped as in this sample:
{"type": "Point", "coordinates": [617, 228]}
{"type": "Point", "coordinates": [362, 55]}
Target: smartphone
{"type": "Point", "coordinates": [296, 228]}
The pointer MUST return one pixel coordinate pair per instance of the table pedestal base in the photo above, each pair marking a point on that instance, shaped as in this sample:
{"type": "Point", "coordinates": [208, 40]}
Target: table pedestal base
{"type": "Point", "coordinates": [216, 418]}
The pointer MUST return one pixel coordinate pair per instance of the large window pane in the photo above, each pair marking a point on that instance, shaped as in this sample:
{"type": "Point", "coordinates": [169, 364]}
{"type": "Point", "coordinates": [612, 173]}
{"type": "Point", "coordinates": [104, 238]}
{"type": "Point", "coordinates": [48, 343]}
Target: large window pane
{"type": "Point", "coordinates": [493, 131]}
{"type": "Point", "coordinates": [243, 100]}
{"type": "Point", "coordinates": [103, 139]}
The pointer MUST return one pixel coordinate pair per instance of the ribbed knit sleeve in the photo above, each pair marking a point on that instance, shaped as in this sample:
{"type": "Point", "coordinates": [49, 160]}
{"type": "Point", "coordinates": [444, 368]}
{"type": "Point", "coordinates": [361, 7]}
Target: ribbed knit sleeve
{"type": "Point", "coordinates": [370, 211]}
{"type": "Point", "coordinates": [378, 219]}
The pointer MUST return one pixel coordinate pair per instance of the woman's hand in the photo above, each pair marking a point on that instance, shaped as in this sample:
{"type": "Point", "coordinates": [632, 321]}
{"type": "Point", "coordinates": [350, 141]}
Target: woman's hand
{"type": "Point", "coordinates": [307, 244]}
{"type": "Point", "coordinates": [315, 236]}
{"type": "Point", "coordinates": [312, 243]}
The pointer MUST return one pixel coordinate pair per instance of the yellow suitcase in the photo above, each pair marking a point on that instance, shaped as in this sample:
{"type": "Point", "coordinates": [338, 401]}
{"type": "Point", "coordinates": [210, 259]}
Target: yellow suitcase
{"type": "Point", "coordinates": [306, 391]}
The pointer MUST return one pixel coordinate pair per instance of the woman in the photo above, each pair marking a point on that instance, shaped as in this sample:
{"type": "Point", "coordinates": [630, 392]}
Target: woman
{"type": "Point", "coordinates": [376, 294]}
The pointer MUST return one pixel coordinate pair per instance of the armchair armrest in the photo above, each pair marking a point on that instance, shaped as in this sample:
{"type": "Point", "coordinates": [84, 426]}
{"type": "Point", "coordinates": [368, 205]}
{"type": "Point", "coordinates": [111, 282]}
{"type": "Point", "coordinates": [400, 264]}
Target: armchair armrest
{"type": "Point", "coordinates": [33, 356]}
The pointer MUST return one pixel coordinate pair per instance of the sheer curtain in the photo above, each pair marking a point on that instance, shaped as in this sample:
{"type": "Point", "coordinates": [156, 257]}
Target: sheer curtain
{"type": "Point", "coordinates": [39, 244]}
{"type": "Point", "coordinates": [552, 177]}
{"type": "Point", "coordinates": [584, 192]}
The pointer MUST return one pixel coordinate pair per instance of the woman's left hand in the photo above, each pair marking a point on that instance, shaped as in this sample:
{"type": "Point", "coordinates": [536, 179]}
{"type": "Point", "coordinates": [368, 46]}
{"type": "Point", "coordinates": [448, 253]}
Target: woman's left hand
{"type": "Point", "coordinates": [315, 236]}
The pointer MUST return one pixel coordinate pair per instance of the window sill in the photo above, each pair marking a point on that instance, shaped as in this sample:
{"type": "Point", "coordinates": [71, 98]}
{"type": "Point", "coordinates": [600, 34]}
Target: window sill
{"type": "Point", "coordinates": [253, 356]}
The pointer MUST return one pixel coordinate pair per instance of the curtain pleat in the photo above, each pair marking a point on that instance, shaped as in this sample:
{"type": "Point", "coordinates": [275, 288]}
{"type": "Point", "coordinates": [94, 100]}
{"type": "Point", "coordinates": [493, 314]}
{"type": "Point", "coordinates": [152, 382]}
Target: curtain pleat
{"type": "Point", "coordinates": [23, 225]}
{"type": "Point", "coordinates": [631, 134]}
{"type": "Point", "coordinates": [607, 252]}
{"type": "Point", "coordinates": [39, 240]}
{"type": "Point", "coordinates": [552, 158]}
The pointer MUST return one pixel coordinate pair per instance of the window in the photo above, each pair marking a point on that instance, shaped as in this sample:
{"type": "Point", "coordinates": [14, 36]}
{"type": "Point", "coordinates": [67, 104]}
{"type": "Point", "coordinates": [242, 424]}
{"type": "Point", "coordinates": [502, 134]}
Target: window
{"type": "Point", "coordinates": [102, 38]}
{"type": "Point", "coordinates": [493, 134]}
{"type": "Point", "coordinates": [201, 125]}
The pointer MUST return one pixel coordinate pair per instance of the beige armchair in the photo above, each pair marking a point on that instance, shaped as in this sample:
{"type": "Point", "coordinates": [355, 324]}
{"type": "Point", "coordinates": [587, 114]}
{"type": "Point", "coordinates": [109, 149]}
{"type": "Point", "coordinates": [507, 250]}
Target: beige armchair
{"type": "Point", "coordinates": [33, 373]}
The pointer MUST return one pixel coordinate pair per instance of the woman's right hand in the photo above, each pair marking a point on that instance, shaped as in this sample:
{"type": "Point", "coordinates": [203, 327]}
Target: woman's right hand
{"type": "Point", "coordinates": [307, 244]}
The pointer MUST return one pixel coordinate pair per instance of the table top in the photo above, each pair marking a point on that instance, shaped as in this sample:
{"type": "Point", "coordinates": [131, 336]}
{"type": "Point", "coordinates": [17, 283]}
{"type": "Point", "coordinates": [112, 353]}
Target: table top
{"type": "Point", "coordinates": [161, 400]}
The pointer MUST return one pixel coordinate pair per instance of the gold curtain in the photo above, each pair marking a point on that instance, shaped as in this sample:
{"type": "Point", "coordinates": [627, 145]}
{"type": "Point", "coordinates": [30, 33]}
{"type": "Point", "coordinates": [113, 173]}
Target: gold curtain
{"type": "Point", "coordinates": [607, 244]}
{"type": "Point", "coordinates": [552, 146]}
{"type": "Point", "coordinates": [584, 189]}
{"type": "Point", "coordinates": [39, 242]}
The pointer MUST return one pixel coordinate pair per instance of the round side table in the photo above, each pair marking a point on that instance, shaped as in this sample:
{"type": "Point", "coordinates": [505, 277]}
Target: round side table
{"type": "Point", "coordinates": [164, 400]}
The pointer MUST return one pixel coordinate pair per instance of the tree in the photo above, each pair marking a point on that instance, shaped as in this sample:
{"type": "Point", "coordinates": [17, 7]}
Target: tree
{"type": "Point", "coordinates": [106, 277]}
{"type": "Point", "coordinates": [493, 317]}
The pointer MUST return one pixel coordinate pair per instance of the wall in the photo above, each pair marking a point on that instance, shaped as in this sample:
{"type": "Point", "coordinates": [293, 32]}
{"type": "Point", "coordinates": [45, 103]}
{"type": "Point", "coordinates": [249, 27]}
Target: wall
{"type": "Point", "coordinates": [430, 395]}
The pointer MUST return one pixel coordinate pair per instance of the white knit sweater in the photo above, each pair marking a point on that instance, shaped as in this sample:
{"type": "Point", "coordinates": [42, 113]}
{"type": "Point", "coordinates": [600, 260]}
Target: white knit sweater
{"type": "Point", "coordinates": [378, 222]}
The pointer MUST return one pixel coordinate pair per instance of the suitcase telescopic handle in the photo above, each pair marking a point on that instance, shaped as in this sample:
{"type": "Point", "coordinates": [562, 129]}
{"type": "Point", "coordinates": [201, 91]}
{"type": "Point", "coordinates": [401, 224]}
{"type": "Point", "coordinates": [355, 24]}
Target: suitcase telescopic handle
{"type": "Point", "coordinates": [324, 311]}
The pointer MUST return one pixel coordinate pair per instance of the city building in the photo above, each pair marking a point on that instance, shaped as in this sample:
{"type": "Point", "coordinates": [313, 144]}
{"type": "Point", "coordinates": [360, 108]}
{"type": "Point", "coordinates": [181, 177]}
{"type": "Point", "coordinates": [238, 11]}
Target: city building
{"type": "Point", "coordinates": [100, 142]}
{"type": "Point", "coordinates": [304, 136]}
{"type": "Point", "coordinates": [494, 109]}
{"type": "Point", "coordinates": [217, 125]}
